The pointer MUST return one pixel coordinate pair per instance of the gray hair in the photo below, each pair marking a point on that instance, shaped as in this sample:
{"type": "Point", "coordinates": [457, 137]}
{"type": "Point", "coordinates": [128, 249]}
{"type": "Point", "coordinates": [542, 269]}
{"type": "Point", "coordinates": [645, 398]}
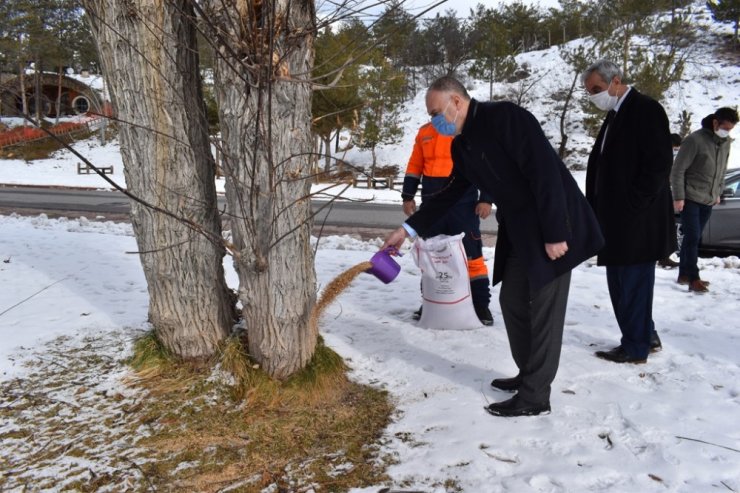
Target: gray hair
{"type": "Point", "coordinates": [449, 84]}
{"type": "Point", "coordinates": [605, 68]}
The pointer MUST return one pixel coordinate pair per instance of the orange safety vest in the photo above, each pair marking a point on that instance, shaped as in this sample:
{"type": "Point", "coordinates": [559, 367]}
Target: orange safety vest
{"type": "Point", "coordinates": [432, 154]}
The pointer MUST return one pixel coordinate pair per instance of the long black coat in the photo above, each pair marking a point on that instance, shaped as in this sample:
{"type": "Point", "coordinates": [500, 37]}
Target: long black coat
{"type": "Point", "coordinates": [503, 152]}
{"type": "Point", "coordinates": [627, 183]}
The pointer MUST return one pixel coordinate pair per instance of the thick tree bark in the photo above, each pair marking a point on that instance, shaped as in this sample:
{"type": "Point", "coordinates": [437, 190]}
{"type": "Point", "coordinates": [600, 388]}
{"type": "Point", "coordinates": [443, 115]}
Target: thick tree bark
{"type": "Point", "coordinates": [149, 55]}
{"type": "Point", "coordinates": [264, 58]}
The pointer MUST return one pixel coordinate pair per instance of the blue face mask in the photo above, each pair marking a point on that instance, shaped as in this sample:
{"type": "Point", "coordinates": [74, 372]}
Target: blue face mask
{"type": "Point", "coordinates": [441, 125]}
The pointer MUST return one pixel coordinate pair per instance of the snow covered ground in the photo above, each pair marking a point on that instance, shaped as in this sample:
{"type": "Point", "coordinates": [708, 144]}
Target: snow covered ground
{"type": "Point", "coordinates": [613, 428]}
{"type": "Point", "coordinates": [669, 425]}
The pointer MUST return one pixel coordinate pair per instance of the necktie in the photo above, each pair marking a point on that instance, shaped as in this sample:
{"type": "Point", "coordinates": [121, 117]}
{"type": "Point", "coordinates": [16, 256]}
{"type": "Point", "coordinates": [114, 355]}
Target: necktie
{"type": "Point", "coordinates": [609, 117]}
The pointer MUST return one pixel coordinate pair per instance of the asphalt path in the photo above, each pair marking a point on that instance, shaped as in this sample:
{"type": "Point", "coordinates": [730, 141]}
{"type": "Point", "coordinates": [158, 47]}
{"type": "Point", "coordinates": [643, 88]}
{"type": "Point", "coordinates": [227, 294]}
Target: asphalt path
{"type": "Point", "coordinates": [366, 219]}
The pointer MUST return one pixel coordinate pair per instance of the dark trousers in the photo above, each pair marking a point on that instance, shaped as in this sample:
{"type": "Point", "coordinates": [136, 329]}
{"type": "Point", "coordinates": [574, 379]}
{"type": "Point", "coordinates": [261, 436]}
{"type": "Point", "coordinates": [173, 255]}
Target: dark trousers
{"type": "Point", "coordinates": [631, 291]}
{"type": "Point", "coordinates": [694, 217]}
{"type": "Point", "coordinates": [534, 324]}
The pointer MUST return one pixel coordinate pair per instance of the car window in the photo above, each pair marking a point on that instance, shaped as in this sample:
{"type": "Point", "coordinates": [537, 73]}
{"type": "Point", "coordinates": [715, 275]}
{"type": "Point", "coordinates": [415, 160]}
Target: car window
{"type": "Point", "coordinates": [735, 186]}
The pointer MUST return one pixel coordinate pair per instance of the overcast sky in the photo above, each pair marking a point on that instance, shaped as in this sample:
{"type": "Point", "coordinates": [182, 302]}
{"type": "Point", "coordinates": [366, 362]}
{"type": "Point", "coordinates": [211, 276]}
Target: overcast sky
{"type": "Point", "coordinates": [462, 7]}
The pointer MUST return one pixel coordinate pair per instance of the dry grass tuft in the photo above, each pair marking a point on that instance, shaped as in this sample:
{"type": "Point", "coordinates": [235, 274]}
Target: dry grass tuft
{"type": "Point", "coordinates": [70, 427]}
{"type": "Point", "coordinates": [316, 428]}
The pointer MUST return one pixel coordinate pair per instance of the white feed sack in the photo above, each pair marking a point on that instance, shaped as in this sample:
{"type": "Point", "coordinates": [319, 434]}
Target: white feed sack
{"type": "Point", "coordinates": [445, 285]}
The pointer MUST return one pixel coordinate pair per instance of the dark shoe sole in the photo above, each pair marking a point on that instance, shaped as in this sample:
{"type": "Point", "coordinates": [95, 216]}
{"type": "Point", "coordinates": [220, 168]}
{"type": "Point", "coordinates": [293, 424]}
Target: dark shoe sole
{"type": "Point", "coordinates": [686, 282]}
{"type": "Point", "coordinates": [603, 355]}
{"type": "Point", "coordinates": [513, 413]}
{"type": "Point", "coordinates": [670, 264]}
{"type": "Point", "coordinates": [701, 290]}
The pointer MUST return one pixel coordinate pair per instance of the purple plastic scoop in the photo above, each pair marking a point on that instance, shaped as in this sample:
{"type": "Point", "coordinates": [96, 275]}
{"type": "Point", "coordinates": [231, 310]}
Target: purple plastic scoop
{"type": "Point", "coordinates": [384, 267]}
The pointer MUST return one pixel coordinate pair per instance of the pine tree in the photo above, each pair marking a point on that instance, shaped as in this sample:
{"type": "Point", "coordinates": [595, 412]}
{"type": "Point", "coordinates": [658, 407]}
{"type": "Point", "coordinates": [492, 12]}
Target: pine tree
{"type": "Point", "coordinates": [493, 57]}
{"type": "Point", "coordinates": [726, 11]}
{"type": "Point", "coordinates": [383, 93]}
{"type": "Point", "coordinates": [336, 99]}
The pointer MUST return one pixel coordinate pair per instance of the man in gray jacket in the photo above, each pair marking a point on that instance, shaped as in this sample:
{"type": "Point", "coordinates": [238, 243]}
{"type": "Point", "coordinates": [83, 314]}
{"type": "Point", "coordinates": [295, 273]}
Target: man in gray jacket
{"type": "Point", "coordinates": [697, 180]}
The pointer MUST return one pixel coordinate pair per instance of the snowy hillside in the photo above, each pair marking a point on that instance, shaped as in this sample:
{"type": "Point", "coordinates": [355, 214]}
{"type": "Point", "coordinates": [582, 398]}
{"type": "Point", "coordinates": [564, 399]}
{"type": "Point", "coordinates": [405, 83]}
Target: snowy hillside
{"type": "Point", "coordinates": [709, 82]}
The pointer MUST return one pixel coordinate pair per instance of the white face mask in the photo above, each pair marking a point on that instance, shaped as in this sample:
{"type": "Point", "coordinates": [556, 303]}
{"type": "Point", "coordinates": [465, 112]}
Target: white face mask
{"type": "Point", "coordinates": [603, 100]}
{"type": "Point", "coordinates": [722, 133]}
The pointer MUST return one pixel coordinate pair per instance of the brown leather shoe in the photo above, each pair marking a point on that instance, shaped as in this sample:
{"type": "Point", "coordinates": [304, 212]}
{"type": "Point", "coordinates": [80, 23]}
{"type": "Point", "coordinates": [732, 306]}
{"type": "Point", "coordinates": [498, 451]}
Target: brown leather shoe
{"type": "Point", "coordinates": [698, 286]}
{"type": "Point", "coordinates": [685, 281]}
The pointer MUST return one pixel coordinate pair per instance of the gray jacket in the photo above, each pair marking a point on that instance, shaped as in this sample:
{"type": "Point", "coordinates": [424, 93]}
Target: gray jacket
{"type": "Point", "coordinates": [698, 172]}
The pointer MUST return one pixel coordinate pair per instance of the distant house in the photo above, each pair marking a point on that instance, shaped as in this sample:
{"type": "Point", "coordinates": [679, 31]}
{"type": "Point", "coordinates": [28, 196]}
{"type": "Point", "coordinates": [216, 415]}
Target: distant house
{"type": "Point", "coordinates": [77, 97]}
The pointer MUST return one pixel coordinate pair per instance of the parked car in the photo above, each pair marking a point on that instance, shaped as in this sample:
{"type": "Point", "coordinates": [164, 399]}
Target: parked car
{"type": "Point", "coordinates": [722, 233]}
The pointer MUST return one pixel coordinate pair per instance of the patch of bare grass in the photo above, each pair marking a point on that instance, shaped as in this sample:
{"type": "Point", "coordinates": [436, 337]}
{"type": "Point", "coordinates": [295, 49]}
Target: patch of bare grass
{"type": "Point", "coordinates": [71, 424]}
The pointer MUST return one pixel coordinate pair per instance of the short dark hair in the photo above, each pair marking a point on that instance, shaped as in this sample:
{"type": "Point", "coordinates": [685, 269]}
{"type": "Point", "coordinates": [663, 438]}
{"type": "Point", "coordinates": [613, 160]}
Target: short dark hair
{"type": "Point", "coordinates": [726, 115]}
{"type": "Point", "coordinates": [449, 84]}
{"type": "Point", "coordinates": [708, 122]}
{"type": "Point", "coordinates": [721, 115]}
{"type": "Point", "coordinates": [675, 140]}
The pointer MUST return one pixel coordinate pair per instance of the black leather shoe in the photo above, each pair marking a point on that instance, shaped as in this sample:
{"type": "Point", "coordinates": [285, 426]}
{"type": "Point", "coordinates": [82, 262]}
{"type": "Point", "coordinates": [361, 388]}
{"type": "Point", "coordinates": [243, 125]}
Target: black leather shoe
{"type": "Point", "coordinates": [619, 355]}
{"type": "Point", "coordinates": [517, 407]}
{"type": "Point", "coordinates": [484, 315]}
{"type": "Point", "coordinates": [417, 314]}
{"type": "Point", "coordinates": [507, 384]}
{"type": "Point", "coordinates": [655, 344]}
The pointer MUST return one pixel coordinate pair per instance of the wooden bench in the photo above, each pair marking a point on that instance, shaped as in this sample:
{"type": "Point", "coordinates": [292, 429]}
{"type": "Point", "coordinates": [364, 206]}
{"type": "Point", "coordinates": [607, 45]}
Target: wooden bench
{"type": "Point", "coordinates": [387, 182]}
{"type": "Point", "coordinates": [84, 169]}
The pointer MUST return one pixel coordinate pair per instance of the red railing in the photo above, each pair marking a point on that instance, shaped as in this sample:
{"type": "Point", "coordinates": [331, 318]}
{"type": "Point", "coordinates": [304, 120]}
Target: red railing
{"type": "Point", "coordinates": [19, 135]}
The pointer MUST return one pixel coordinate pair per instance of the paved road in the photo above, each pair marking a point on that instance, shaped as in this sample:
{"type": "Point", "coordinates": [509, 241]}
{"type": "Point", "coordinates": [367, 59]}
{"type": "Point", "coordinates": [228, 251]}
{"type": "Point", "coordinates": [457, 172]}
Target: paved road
{"type": "Point", "coordinates": [364, 218]}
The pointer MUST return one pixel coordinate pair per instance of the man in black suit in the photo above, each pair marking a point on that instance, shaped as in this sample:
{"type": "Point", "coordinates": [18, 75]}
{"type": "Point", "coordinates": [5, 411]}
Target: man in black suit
{"type": "Point", "coordinates": [628, 188]}
{"type": "Point", "coordinates": [546, 228]}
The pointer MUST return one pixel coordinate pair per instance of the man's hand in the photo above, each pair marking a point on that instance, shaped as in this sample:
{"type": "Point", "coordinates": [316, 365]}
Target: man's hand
{"type": "Point", "coordinates": [556, 250]}
{"type": "Point", "coordinates": [483, 210]}
{"type": "Point", "coordinates": [395, 239]}
{"type": "Point", "coordinates": [678, 205]}
{"type": "Point", "coordinates": [409, 207]}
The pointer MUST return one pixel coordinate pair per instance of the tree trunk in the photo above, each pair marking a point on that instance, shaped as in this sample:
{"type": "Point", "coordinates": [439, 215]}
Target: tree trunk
{"type": "Point", "coordinates": [58, 102]}
{"type": "Point", "coordinates": [37, 90]}
{"type": "Point", "coordinates": [372, 166]}
{"type": "Point", "coordinates": [149, 55]}
{"type": "Point", "coordinates": [24, 96]}
{"type": "Point", "coordinates": [563, 134]}
{"type": "Point", "coordinates": [263, 67]}
{"type": "Point", "coordinates": [490, 80]}
{"type": "Point", "coordinates": [327, 154]}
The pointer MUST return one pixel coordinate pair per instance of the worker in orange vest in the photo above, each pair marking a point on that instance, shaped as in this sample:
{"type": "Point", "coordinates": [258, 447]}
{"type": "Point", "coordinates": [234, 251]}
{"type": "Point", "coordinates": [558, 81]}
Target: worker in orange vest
{"type": "Point", "coordinates": [431, 164]}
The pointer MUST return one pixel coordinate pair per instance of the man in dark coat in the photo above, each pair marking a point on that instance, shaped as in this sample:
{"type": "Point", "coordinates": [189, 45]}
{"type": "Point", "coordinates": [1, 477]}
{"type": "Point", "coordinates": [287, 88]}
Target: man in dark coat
{"type": "Point", "coordinates": [546, 228]}
{"type": "Point", "coordinates": [627, 185]}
